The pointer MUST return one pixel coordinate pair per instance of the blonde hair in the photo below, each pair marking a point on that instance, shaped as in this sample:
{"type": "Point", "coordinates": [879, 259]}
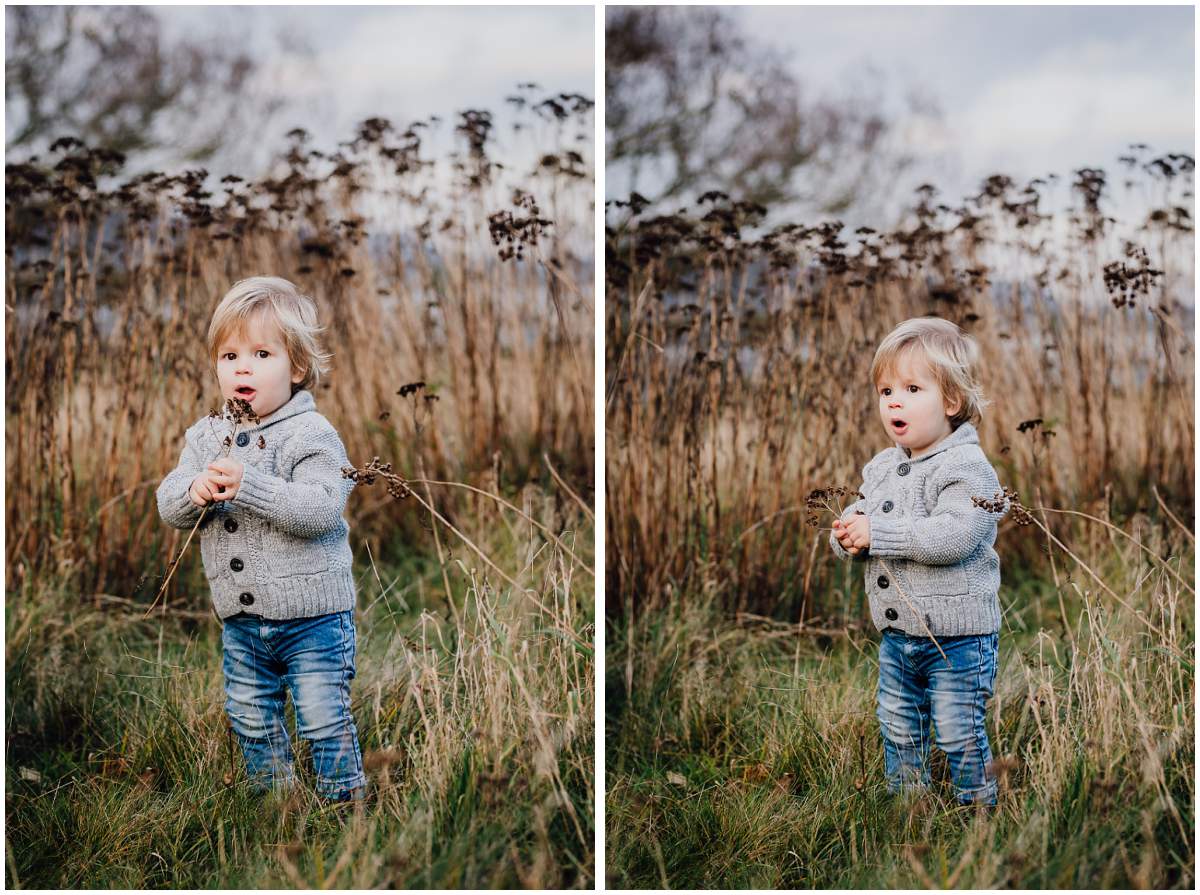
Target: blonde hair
{"type": "Point", "coordinates": [953, 358]}
{"type": "Point", "coordinates": [294, 313]}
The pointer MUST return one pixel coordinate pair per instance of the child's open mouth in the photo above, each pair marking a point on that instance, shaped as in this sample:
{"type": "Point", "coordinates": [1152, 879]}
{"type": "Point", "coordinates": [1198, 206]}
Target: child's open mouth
{"type": "Point", "coordinates": [899, 427]}
{"type": "Point", "coordinates": [245, 391]}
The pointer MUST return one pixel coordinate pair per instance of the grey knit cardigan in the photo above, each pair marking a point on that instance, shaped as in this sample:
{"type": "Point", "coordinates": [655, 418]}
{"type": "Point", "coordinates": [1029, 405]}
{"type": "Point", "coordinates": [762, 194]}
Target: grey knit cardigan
{"type": "Point", "coordinates": [937, 543]}
{"type": "Point", "coordinates": [280, 548]}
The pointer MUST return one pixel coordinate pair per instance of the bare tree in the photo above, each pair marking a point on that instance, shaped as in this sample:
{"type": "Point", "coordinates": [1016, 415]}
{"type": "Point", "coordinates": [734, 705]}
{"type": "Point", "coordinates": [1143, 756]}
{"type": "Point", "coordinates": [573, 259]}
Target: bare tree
{"type": "Point", "coordinates": [112, 77]}
{"type": "Point", "coordinates": [693, 104]}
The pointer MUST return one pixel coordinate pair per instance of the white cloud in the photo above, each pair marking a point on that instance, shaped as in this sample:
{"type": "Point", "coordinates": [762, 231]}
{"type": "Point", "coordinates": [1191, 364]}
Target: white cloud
{"type": "Point", "coordinates": [1076, 106]}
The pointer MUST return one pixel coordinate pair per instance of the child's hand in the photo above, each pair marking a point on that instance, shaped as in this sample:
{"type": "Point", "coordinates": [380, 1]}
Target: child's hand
{"type": "Point", "coordinates": [839, 532]}
{"type": "Point", "coordinates": [854, 534]}
{"type": "Point", "coordinates": [201, 490]}
{"type": "Point", "coordinates": [226, 474]}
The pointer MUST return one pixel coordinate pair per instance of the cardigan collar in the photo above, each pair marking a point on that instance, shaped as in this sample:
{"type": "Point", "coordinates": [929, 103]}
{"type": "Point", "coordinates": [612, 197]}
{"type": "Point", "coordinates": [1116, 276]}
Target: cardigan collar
{"type": "Point", "coordinates": [964, 434]}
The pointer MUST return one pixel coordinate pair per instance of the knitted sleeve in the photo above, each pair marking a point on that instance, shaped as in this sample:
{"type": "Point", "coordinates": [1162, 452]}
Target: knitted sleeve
{"type": "Point", "coordinates": [310, 503]}
{"type": "Point", "coordinates": [174, 505]}
{"type": "Point", "coordinates": [849, 511]}
{"type": "Point", "coordinates": [955, 527]}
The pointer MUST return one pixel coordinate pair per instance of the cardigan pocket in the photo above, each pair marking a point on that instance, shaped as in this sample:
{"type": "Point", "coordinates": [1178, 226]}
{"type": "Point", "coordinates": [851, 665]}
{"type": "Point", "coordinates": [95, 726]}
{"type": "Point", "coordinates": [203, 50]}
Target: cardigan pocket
{"type": "Point", "coordinates": [288, 555]}
{"type": "Point", "coordinates": [921, 580]}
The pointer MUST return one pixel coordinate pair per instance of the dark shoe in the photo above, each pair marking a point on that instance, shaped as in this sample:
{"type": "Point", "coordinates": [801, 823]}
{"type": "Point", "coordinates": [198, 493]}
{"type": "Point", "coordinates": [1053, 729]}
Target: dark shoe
{"type": "Point", "coordinates": [346, 803]}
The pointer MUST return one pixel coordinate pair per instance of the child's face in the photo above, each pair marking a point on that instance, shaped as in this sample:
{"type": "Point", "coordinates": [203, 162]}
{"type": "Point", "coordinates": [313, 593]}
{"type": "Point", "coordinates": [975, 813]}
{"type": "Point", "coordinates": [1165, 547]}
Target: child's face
{"type": "Point", "coordinates": [912, 406]}
{"type": "Point", "coordinates": [253, 364]}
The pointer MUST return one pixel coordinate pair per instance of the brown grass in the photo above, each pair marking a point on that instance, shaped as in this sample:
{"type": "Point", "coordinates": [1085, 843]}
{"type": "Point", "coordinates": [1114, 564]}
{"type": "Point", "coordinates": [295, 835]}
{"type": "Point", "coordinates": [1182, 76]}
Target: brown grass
{"type": "Point", "coordinates": [110, 285]}
{"type": "Point", "coordinates": [738, 356]}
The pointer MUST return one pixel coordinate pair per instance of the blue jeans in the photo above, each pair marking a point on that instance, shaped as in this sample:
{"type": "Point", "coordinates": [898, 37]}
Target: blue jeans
{"type": "Point", "coordinates": [314, 657]}
{"type": "Point", "coordinates": [915, 684]}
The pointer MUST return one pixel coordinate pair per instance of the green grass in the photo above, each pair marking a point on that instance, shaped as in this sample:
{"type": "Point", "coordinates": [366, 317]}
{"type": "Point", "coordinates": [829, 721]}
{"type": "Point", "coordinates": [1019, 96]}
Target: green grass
{"type": "Point", "coordinates": [750, 757]}
{"type": "Point", "coordinates": [477, 733]}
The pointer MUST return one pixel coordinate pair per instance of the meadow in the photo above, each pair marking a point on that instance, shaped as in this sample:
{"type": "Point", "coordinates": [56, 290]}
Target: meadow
{"type": "Point", "coordinates": [742, 745]}
{"type": "Point", "coordinates": [452, 266]}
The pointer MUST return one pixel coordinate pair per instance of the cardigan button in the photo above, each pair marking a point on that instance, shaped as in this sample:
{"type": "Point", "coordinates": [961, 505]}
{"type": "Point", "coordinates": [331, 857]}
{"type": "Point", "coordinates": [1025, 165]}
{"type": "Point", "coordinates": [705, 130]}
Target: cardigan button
{"type": "Point", "coordinates": [236, 564]}
{"type": "Point", "coordinates": [246, 599]}
{"type": "Point", "coordinates": [891, 614]}
{"type": "Point", "coordinates": [243, 439]}
{"type": "Point", "coordinates": [903, 470]}
{"type": "Point", "coordinates": [883, 582]}
{"type": "Point", "coordinates": [887, 508]}
{"type": "Point", "coordinates": [231, 525]}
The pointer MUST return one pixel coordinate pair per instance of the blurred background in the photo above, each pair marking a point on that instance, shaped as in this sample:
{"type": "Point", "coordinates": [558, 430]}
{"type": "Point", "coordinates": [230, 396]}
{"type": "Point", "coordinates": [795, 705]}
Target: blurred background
{"type": "Point", "coordinates": [222, 85]}
{"type": "Point", "coordinates": [846, 110]}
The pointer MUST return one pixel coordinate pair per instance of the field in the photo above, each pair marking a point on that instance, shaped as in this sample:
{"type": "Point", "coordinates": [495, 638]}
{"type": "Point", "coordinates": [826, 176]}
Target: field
{"type": "Point", "coordinates": [442, 269]}
{"type": "Point", "coordinates": [742, 744]}
{"type": "Point", "coordinates": [748, 755]}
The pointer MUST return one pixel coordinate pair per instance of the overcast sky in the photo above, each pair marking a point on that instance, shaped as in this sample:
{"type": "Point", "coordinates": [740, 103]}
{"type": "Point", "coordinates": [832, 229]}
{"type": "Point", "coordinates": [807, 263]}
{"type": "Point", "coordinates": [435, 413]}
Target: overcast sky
{"type": "Point", "coordinates": [1022, 90]}
{"type": "Point", "coordinates": [406, 63]}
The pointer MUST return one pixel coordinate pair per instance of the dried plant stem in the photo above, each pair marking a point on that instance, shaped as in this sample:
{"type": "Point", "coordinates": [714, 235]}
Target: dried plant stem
{"type": "Point", "coordinates": [633, 322]}
{"type": "Point", "coordinates": [580, 381]}
{"type": "Point", "coordinates": [1191, 537]}
{"type": "Point", "coordinates": [112, 500]}
{"type": "Point", "coordinates": [499, 571]}
{"type": "Point", "coordinates": [500, 500]}
{"type": "Point", "coordinates": [766, 519]}
{"type": "Point", "coordinates": [1182, 581]}
{"type": "Point", "coordinates": [587, 511]}
{"type": "Point", "coordinates": [1062, 606]}
{"type": "Point", "coordinates": [175, 564]}
{"type": "Point", "coordinates": [419, 428]}
{"type": "Point", "coordinates": [1149, 624]}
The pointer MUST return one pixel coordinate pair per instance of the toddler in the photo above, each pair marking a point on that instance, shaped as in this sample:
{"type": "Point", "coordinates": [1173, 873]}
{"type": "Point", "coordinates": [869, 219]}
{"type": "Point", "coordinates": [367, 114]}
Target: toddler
{"type": "Point", "coordinates": [275, 547]}
{"type": "Point", "coordinates": [926, 550]}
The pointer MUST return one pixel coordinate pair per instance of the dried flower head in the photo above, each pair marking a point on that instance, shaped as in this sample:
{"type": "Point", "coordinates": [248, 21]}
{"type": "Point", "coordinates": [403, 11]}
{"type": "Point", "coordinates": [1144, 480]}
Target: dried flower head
{"type": "Point", "coordinates": [512, 232]}
{"type": "Point", "coordinates": [238, 410]}
{"type": "Point", "coordinates": [1005, 500]}
{"type": "Point", "coordinates": [397, 486]}
{"type": "Point", "coordinates": [828, 499]}
{"type": "Point", "coordinates": [1125, 281]}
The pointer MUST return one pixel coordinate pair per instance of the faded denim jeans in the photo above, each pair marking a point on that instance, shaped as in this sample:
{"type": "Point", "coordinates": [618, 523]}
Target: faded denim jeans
{"type": "Point", "coordinates": [314, 658]}
{"type": "Point", "coordinates": [915, 686]}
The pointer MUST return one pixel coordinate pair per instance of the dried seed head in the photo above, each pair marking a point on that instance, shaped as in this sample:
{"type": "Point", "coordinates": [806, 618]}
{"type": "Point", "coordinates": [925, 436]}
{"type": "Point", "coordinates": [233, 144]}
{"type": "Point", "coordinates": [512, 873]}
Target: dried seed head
{"type": "Point", "coordinates": [239, 410]}
{"type": "Point", "coordinates": [397, 486]}
{"type": "Point", "coordinates": [1005, 500]}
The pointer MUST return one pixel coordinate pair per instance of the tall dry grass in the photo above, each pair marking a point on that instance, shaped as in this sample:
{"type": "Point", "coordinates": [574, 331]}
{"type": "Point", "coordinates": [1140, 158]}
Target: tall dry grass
{"type": "Point", "coordinates": [110, 284]}
{"type": "Point", "coordinates": [737, 358]}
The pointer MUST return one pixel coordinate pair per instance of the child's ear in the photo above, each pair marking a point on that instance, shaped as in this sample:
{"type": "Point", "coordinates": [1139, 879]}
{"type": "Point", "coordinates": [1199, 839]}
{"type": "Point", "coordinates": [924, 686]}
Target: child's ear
{"type": "Point", "coordinates": [954, 406]}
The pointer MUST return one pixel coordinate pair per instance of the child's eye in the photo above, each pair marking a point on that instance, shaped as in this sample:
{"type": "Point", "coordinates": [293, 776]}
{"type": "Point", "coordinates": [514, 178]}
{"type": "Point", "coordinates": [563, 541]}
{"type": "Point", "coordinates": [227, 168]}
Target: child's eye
{"type": "Point", "coordinates": [885, 392]}
{"type": "Point", "coordinates": [914, 389]}
{"type": "Point", "coordinates": [264, 352]}
{"type": "Point", "coordinates": [228, 355]}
